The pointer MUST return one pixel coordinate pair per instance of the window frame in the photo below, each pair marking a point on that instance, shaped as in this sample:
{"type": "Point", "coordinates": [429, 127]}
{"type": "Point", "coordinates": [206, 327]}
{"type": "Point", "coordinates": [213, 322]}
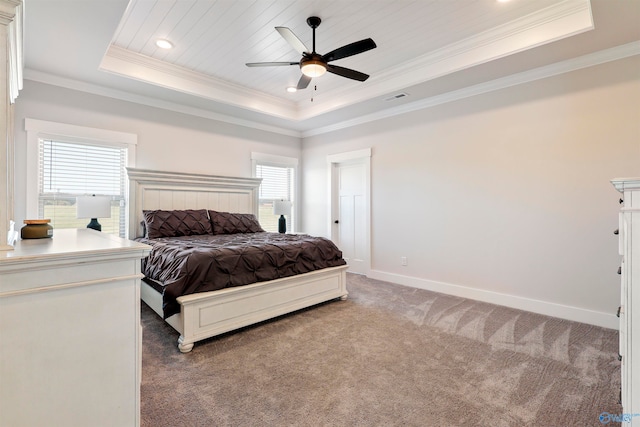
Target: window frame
{"type": "Point", "coordinates": [283, 162]}
{"type": "Point", "coordinates": [42, 130]}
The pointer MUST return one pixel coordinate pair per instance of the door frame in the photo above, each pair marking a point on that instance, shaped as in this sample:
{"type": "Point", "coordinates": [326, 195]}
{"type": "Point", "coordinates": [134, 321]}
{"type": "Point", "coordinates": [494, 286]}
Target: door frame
{"type": "Point", "coordinates": [333, 160]}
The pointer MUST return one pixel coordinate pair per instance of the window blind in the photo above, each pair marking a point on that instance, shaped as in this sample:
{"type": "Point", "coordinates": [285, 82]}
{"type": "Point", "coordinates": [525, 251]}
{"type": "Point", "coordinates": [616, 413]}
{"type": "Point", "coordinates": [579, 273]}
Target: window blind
{"type": "Point", "coordinates": [278, 183]}
{"type": "Point", "coordinates": [70, 169]}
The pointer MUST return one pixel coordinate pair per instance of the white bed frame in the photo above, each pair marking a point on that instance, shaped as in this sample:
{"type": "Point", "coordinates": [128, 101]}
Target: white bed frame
{"type": "Point", "coordinates": [207, 314]}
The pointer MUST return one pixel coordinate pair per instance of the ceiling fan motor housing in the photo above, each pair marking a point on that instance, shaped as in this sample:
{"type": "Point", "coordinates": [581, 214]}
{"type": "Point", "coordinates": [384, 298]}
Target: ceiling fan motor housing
{"type": "Point", "coordinates": [313, 65]}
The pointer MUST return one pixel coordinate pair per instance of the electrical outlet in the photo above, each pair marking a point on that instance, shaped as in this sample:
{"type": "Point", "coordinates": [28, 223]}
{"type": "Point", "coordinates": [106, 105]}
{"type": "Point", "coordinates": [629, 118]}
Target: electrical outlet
{"type": "Point", "coordinates": [403, 260]}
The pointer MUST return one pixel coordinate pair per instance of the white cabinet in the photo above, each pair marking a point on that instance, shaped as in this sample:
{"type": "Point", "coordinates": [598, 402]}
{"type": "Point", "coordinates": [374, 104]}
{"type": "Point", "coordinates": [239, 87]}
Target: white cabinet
{"type": "Point", "coordinates": [629, 311]}
{"type": "Point", "coordinates": [70, 334]}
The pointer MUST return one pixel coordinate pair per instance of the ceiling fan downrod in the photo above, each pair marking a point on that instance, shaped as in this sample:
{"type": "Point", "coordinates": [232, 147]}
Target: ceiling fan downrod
{"type": "Point", "coordinates": [314, 22]}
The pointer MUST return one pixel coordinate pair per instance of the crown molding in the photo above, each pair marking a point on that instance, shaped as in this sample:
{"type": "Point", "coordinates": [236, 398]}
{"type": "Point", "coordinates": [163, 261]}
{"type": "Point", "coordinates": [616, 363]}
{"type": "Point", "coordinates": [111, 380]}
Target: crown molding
{"type": "Point", "coordinates": [565, 19]}
{"type": "Point", "coordinates": [585, 61]}
{"type": "Point", "coordinates": [596, 58]}
{"type": "Point", "coordinates": [9, 10]}
{"type": "Point", "coordinates": [120, 61]}
{"type": "Point", "coordinates": [41, 77]}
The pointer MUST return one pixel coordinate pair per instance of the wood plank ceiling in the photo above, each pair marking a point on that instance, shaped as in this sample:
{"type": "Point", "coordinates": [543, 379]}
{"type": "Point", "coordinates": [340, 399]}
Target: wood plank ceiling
{"type": "Point", "coordinates": [217, 37]}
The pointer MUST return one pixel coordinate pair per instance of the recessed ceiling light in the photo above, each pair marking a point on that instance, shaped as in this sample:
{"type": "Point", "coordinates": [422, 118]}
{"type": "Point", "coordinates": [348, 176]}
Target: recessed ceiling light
{"type": "Point", "coordinates": [292, 89]}
{"type": "Point", "coordinates": [164, 44]}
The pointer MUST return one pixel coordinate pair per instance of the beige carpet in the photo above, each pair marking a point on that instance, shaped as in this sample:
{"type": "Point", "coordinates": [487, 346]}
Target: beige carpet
{"type": "Point", "coordinates": [387, 356]}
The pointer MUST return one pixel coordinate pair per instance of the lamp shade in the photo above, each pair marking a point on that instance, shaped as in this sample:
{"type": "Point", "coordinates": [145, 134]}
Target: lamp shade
{"type": "Point", "coordinates": [282, 207]}
{"type": "Point", "coordinates": [93, 207]}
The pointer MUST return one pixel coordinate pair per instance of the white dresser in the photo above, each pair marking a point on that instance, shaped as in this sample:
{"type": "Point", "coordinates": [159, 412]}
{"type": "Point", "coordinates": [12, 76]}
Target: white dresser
{"type": "Point", "coordinates": [70, 334]}
{"type": "Point", "coordinates": [629, 311]}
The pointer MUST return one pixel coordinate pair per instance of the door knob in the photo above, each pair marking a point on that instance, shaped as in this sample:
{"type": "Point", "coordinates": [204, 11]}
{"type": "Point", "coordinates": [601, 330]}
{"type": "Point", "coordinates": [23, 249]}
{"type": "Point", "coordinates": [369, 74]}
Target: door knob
{"type": "Point", "coordinates": [336, 222]}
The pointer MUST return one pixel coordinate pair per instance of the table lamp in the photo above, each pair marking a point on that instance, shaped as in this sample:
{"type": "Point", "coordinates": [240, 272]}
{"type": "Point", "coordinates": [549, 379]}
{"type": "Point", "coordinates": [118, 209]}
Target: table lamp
{"type": "Point", "coordinates": [282, 208]}
{"type": "Point", "coordinates": [93, 207]}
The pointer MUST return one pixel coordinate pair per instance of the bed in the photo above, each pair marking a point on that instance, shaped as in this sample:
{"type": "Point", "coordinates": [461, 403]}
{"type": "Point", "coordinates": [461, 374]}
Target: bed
{"type": "Point", "coordinates": [202, 315]}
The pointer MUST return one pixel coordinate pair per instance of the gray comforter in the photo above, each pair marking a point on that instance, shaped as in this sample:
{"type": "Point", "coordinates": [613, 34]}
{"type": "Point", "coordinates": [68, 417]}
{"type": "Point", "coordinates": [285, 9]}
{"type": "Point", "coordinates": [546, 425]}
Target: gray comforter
{"type": "Point", "coordinates": [189, 264]}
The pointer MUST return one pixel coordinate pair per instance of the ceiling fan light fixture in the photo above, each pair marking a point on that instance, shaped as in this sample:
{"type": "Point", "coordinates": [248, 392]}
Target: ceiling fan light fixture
{"type": "Point", "coordinates": [313, 64]}
{"type": "Point", "coordinates": [313, 68]}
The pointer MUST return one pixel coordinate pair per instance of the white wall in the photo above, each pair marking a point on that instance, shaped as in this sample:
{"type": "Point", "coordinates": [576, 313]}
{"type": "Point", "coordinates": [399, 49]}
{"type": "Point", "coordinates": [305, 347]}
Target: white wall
{"type": "Point", "coordinates": [503, 197]}
{"type": "Point", "coordinates": [506, 196]}
{"type": "Point", "coordinates": [167, 141]}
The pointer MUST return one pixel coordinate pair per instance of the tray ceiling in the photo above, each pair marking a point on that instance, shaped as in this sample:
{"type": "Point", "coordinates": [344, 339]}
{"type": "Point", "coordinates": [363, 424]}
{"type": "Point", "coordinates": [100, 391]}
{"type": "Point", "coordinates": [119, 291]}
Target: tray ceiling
{"type": "Point", "coordinates": [419, 43]}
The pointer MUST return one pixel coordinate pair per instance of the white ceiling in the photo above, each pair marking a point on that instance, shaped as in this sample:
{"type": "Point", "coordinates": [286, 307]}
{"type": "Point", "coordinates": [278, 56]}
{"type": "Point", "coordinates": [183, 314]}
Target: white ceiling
{"type": "Point", "coordinates": [431, 50]}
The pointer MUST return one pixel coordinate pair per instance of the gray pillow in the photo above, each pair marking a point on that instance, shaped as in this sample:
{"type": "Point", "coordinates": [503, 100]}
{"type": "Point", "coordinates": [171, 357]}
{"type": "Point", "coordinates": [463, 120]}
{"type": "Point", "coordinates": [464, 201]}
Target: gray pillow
{"type": "Point", "coordinates": [232, 223]}
{"type": "Point", "coordinates": [174, 223]}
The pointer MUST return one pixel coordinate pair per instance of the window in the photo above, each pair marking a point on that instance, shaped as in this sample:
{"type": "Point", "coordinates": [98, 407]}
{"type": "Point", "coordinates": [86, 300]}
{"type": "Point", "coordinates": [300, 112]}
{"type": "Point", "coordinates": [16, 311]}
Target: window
{"type": "Point", "coordinates": [70, 169]}
{"type": "Point", "coordinates": [65, 161]}
{"type": "Point", "coordinates": [278, 183]}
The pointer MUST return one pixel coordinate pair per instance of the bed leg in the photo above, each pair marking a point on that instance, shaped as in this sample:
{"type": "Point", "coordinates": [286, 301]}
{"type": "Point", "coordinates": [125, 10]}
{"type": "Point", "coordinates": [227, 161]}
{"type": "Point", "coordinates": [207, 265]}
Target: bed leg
{"type": "Point", "coordinates": [343, 298]}
{"type": "Point", "coordinates": [184, 348]}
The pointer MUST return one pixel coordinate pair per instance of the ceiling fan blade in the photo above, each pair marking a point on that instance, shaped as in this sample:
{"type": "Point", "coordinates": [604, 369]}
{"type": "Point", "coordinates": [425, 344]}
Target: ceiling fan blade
{"type": "Point", "coordinates": [270, 64]}
{"type": "Point", "coordinates": [349, 50]}
{"type": "Point", "coordinates": [292, 39]}
{"type": "Point", "coordinates": [347, 72]}
{"type": "Point", "coordinates": [303, 82]}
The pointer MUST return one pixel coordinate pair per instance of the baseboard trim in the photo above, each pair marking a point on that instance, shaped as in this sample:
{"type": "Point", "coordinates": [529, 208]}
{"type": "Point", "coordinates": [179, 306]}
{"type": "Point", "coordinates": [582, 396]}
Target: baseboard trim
{"type": "Point", "coordinates": [567, 312]}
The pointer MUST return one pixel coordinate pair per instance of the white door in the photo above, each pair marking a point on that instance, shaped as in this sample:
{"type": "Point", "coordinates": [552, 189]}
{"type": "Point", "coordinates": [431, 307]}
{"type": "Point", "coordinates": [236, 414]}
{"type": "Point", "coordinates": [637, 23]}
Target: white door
{"type": "Point", "coordinates": [351, 220]}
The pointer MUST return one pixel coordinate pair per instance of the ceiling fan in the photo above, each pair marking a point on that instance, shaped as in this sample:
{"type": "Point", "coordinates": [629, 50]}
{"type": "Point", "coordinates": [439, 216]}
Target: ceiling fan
{"type": "Point", "coordinates": [312, 63]}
